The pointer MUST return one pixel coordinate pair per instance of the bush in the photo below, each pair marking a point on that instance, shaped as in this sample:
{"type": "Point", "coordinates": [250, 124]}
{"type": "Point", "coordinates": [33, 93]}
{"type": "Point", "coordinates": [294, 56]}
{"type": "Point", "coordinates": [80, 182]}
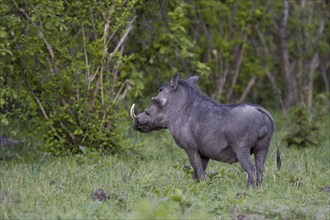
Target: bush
{"type": "Point", "coordinates": [62, 65]}
{"type": "Point", "coordinates": [302, 131]}
{"type": "Point", "coordinates": [305, 123]}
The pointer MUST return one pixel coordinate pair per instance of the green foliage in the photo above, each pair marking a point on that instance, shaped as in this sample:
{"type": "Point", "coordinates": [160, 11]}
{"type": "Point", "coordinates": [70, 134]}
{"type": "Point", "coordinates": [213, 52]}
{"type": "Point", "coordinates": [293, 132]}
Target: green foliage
{"type": "Point", "coordinates": [303, 129]}
{"type": "Point", "coordinates": [233, 45]}
{"type": "Point", "coordinates": [199, 37]}
{"type": "Point", "coordinates": [305, 124]}
{"type": "Point", "coordinates": [69, 68]}
{"type": "Point", "coordinates": [61, 64]}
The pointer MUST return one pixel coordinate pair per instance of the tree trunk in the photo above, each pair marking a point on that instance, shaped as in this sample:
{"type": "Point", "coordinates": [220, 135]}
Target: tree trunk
{"type": "Point", "coordinates": [290, 80]}
{"type": "Point", "coordinates": [237, 67]}
{"type": "Point", "coordinates": [314, 64]}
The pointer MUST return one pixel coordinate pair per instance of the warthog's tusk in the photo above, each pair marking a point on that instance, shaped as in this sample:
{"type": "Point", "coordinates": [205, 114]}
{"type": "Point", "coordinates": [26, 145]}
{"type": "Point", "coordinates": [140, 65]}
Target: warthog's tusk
{"type": "Point", "coordinates": [132, 114]}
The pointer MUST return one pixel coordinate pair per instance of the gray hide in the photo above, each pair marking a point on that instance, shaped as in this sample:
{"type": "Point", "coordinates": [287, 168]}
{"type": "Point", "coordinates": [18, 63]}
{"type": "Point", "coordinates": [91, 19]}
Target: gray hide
{"type": "Point", "coordinates": [206, 129]}
{"type": "Point", "coordinates": [8, 142]}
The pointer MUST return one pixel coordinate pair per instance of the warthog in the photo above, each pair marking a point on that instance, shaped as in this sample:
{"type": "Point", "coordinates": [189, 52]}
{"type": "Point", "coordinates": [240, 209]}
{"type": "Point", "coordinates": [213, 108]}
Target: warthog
{"type": "Point", "coordinates": [206, 129]}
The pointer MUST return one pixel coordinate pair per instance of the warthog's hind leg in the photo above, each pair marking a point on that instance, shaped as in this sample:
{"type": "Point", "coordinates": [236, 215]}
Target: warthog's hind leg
{"type": "Point", "coordinates": [243, 155]}
{"type": "Point", "coordinates": [260, 152]}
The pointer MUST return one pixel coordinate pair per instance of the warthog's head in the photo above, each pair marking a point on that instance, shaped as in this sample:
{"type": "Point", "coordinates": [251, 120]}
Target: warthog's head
{"type": "Point", "coordinates": [167, 102]}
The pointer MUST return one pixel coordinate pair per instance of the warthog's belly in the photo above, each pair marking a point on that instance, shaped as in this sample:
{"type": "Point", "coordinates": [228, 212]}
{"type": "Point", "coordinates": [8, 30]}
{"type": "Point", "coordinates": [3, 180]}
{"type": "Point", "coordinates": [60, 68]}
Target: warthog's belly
{"type": "Point", "coordinates": [226, 155]}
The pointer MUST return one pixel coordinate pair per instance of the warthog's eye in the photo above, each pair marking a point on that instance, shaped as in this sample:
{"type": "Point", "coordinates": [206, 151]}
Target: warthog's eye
{"type": "Point", "coordinates": [147, 111]}
{"type": "Point", "coordinates": [161, 89]}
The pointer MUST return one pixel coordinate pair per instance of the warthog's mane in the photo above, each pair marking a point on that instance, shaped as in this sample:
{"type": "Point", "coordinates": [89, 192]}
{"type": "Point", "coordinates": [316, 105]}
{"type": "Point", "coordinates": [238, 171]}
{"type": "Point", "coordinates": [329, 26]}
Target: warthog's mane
{"type": "Point", "coordinates": [195, 95]}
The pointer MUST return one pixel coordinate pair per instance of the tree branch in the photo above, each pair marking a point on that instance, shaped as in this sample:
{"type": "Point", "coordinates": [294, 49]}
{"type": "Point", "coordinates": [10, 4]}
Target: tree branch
{"type": "Point", "coordinates": [42, 36]}
{"type": "Point", "coordinates": [248, 88]}
{"type": "Point", "coordinates": [85, 53]}
{"type": "Point", "coordinates": [45, 114]}
{"type": "Point", "coordinates": [119, 45]}
{"type": "Point", "coordinates": [237, 68]}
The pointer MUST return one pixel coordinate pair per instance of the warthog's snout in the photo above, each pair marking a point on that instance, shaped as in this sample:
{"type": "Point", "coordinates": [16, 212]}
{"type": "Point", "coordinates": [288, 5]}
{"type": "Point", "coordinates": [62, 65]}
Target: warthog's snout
{"type": "Point", "coordinates": [140, 121]}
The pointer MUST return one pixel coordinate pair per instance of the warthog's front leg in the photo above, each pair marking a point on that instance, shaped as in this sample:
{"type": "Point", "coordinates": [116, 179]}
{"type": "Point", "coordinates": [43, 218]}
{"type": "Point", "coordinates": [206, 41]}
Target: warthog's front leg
{"type": "Point", "coordinates": [198, 163]}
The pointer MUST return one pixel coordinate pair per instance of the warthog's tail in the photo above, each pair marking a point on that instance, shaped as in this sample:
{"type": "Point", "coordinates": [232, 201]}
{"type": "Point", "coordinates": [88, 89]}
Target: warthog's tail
{"type": "Point", "coordinates": [278, 155]}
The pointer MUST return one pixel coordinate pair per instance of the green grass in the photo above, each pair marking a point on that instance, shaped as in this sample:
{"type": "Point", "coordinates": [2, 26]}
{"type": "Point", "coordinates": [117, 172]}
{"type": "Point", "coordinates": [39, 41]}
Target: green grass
{"type": "Point", "coordinates": [152, 183]}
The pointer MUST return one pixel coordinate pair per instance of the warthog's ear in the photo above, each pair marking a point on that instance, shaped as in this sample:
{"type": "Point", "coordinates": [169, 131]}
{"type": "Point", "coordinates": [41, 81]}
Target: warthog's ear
{"type": "Point", "coordinates": [175, 80]}
{"type": "Point", "coordinates": [194, 80]}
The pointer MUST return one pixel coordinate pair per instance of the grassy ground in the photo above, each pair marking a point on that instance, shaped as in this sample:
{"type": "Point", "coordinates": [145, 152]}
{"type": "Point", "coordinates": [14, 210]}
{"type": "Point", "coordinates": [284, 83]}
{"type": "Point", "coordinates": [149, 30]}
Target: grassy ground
{"type": "Point", "coordinates": [156, 183]}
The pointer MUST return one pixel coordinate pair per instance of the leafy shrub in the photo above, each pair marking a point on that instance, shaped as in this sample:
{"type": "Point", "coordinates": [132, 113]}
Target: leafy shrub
{"type": "Point", "coordinates": [61, 65]}
{"type": "Point", "coordinates": [304, 124]}
{"type": "Point", "coordinates": [302, 131]}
